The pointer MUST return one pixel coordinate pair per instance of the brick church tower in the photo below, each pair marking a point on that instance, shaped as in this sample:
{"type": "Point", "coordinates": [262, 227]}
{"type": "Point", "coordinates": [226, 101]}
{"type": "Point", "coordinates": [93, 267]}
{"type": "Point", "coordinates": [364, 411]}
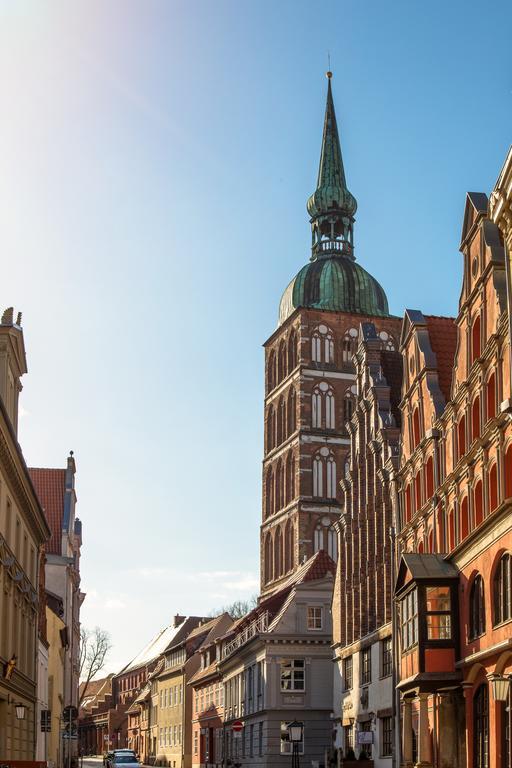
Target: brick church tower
{"type": "Point", "coordinates": [310, 382]}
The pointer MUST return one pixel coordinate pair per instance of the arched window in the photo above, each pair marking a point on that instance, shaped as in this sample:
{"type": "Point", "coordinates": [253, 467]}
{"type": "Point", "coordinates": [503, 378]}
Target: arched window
{"type": "Point", "coordinates": [329, 409]}
{"type": "Point", "coordinates": [430, 540]}
{"type": "Point", "coordinates": [416, 427]}
{"type": "Point", "coordinates": [281, 421]}
{"type": "Point", "coordinates": [441, 531]}
{"type": "Point", "coordinates": [464, 519]}
{"type": "Point", "coordinates": [291, 547]}
{"type": "Point", "coordinates": [269, 493]}
{"type": "Point", "coordinates": [475, 419]}
{"type": "Point", "coordinates": [491, 396]}
{"type": "Point", "coordinates": [481, 727]}
{"type": "Point", "coordinates": [417, 490]}
{"type": "Point", "coordinates": [291, 412]}
{"type": "Point", "coordinates": [292, 352]}
{"type": "Point", "coordinates": [318, 476]}
{"type": "Point", "coordinates": [476, 343]}
{"type": "Point", "coordinates": [461, 437]}
{"type": "Point", "coordinates": [287, 547]}
{"type": "Point", "coordinates": [278, 554]}
{"type": "Point", "coordinates": [316, 347]}
{"type": "Point", "coordinates": [290, 478]}
{"type": "Point", "coordinates": [332, 543]}
{"type": "Point", "coordinates": [349, 346]}
{"type": "Point", "coordinates": [331, 477]}
{"type": "Point", "coordinates": [269, 571]}
{"type": "Point", "coordinates": [502, 590]}
{"type": "Point", "coordinates": [508, 472]}
{"type": "Point", "coordinates": [279, 485]}
{"type": "Point", "coordinates": [322, 345]}
{"type": "Point", "coordinates": [478, 503]}
{"type": "Point", "coordinates": [316, 408]}
{"type": "Point", "coordinates": [429, 477]}
{"type": "Point", "coordinates": [282, 361]}
{"type": "Point", "coordinates": [476, 608]}
{"type": "Point", "coordinates": [270, 432]}
{"type": "Point", "coordinates": [271, 371]}
{"type": "Point", "coordinates": [318, 538]}
{"type": "Point", "coordinates": [493, 488]}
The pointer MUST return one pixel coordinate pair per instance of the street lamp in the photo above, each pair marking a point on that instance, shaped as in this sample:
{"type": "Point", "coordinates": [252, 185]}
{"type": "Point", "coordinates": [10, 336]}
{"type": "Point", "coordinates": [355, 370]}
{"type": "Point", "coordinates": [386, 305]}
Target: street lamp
{"type": "Point", "coordinates": [20, 711]}
{"type": "Point", "coordinates": [500, 687]}
{"type": "Point", "coordinates": [295, 730]}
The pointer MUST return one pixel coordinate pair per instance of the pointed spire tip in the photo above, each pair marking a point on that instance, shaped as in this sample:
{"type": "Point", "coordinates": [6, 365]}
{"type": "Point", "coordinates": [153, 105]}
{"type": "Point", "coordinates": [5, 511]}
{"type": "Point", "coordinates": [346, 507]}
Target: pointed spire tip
{"type": "Point", "coordinates": [328, 74]}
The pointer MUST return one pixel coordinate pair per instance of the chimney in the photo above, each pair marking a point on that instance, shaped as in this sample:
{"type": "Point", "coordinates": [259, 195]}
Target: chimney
{"type": "Point", "coordinates": [178, 620]}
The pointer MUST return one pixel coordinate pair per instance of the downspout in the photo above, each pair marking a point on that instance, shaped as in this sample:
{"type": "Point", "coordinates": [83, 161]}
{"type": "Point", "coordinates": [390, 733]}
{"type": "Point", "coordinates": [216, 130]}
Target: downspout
{"type": "Point", "coordinates": [397, 758]}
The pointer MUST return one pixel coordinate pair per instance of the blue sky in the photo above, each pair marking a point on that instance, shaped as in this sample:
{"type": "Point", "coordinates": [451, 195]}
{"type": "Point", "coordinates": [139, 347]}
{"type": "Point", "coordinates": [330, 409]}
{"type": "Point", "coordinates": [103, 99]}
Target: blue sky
{"type": "Point", "coordinates": [155, 161]}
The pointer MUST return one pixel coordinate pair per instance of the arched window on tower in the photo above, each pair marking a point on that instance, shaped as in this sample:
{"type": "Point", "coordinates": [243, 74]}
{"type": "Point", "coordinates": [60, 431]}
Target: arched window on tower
{"type": "Point", "coordinates": [349, 346]}
{"type": "Point", "coordinates": [348, 404]}
{"type": "Point", "coordinates": [316, 408]}
{"type": "Point", "coordinates": [330, 422]}
{"type": "Point", "coordinates": [281, 421]}
{"type": "Point", "coordinates": [318, 538]}
{"type": "Point", "coordinates": [282, 361]}
{"type": "Point", "coordinates": [269, 493]}
{"type": "Point", "coordinates": [271, 371]}
{"type": "Point", "coordinates": [290, 546]}
{"type": "Point", "coordinates": [316, 347]}
{"type": "Point", "coordinates": [332, 543]}
{"type": "Point", "coordinates": [291, 412]}
{"type": "Point", "coordinates": [318, 476]}
{"type": "Point", "coordinates": [269, 570]}
{"type": "Point", "coordinates": [290, 478]}
{"type": "Point", "coordinates": [292, 352]}
{"type": "Point", "coordinates": [279, 485]}
{"type": "Point", "coordinates": [278, 554]}
{"type": "Point", "coordinates": [331, 477]}
{"type": "Point", "coordinates": [322, 345]}
{"type": "Point", "coordinates": [270, 431]}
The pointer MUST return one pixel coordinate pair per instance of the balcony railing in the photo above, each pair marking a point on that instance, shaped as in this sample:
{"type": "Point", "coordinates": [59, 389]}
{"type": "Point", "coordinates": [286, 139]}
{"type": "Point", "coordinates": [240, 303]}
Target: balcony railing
{"type": "Point", "coordinates": [254, 628]}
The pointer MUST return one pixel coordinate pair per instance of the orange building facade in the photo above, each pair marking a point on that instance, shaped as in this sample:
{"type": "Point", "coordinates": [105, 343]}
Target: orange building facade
{"type": "Point", "coordinates": [454, 583]}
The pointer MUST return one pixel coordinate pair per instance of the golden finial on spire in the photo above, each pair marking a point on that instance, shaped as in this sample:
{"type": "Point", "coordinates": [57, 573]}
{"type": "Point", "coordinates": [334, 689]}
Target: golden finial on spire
{"type": "Point", "coordinates": [328, 74]}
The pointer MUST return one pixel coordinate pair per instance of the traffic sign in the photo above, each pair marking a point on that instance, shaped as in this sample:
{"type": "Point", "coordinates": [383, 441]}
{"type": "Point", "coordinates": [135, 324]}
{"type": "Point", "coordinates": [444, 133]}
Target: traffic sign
{"type": "Point", "coordinates": [237, 726]}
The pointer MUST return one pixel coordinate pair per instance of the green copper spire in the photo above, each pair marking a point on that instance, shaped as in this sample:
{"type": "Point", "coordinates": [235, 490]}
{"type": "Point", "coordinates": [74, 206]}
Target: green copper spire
{"type": "Point", "coordinates": [331, 206]}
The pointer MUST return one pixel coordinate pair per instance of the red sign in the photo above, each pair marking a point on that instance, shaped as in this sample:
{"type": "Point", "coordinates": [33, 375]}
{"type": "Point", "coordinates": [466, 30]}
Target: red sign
{"type": "Point", "coordinates": [237, 726]}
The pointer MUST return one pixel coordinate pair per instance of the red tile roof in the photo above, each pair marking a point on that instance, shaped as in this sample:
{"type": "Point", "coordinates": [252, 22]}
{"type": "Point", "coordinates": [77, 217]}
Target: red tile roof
{"type": "Point", "coordinates": [443, 339]}
{"type": "Point", "coordinates": [50, 485]}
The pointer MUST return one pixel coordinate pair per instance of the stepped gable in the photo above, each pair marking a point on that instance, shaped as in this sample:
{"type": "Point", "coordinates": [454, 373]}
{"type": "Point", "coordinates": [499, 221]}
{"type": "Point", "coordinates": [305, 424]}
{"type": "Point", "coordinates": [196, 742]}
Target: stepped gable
{"type": "Point", "coordinates": [443, 340]}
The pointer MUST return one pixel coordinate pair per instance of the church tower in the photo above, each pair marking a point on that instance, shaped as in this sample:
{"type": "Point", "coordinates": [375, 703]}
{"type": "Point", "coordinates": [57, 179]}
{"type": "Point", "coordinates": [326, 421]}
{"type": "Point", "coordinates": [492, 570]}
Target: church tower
{"type": "Point", "coordinates": [310, 376]}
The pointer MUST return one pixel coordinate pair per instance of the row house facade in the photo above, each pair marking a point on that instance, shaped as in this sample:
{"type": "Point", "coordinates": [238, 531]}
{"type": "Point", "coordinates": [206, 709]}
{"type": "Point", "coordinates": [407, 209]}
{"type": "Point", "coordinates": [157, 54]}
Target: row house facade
{"type": "Point", "coordinates": [454, 581]}
{"type": "Point", "coordinates": [363, 593]}
{"type": "Point", "coordinates": [275, 665]}
{"type": "Point", "coordinates": [23, 532]}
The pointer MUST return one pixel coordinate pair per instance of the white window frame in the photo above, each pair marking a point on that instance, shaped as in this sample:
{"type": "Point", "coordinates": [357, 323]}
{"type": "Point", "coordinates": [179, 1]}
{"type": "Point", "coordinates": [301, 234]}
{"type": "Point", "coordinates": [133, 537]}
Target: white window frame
{"type": "Point", "coordinates": [314, 617]}
{"type": "Point", "coordinates": [295, 666]}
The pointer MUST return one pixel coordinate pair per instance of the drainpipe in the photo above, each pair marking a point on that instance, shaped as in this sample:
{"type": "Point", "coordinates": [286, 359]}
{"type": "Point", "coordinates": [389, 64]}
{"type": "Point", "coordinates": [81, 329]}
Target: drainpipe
{"type": "Point", "coordinates": [397, 759]}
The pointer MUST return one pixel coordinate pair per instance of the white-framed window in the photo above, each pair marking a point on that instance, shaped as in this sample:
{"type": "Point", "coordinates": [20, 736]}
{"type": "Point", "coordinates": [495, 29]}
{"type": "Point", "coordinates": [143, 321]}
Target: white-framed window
{"type": "Point", "coordinates": [292, 675]}
{"type": "Point", "coordinates": [322, 345]}
{"type": "Point", "coordinates": [349, 345]}
{"type": "Point", "coordinates": [315, 617]}
{"type": "Point", "coordinates": [330, 419]}
{"type": "Point", "coordinates": [161, 739]}
{"type": "Point", "coordinates": [286, 745]}
{"type": "Point", "coordinates": [316, 347]}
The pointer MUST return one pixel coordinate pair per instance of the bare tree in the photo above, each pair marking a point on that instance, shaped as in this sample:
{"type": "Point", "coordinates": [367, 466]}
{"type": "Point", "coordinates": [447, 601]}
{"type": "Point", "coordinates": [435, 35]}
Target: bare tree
{"type": "Point", "coordinates": [94, 647]}
{"type": "Point", "coordinates": [239, 608]}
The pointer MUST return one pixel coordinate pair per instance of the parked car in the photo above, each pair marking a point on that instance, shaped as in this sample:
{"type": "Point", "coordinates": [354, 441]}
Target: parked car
{"type": "Point", "coordinates": [124, 758]}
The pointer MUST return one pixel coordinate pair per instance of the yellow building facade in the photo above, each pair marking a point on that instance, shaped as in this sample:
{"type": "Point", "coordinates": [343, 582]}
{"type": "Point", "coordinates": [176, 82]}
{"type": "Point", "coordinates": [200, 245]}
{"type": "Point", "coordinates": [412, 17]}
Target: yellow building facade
{"type": "Point", "coordinates": [54, 627]}
{"type": "Point", "coordinates": [23, 531]}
